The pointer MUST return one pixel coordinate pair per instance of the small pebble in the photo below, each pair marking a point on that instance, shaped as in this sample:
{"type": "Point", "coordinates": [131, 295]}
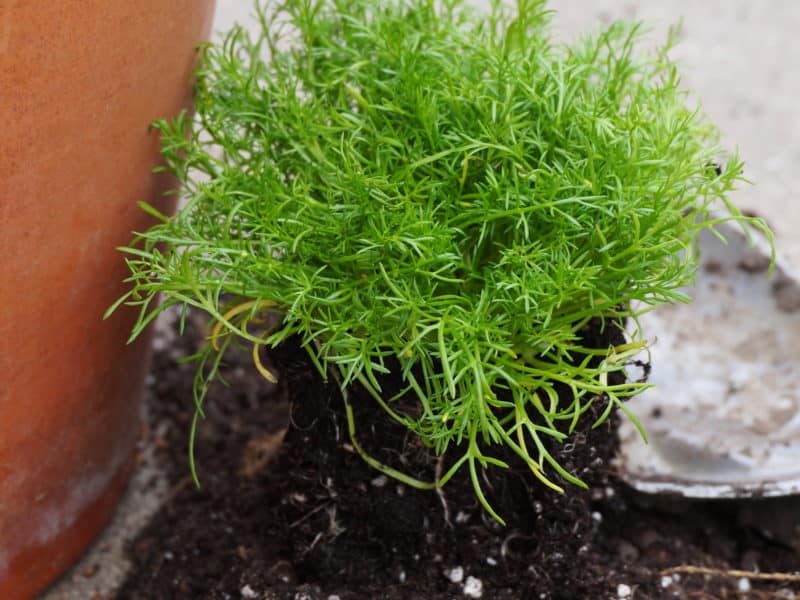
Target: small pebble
{"type": "Point", "coordinates": [666, 581]}
{"type": "Point", "coordinates": [248, 592]}
{"type": "Point", "coordinates": [491, 561]}
{"type": "Point", "coordinates": [90, 571]}
{"type": "Point", "coordinates": [380, 481]}
{"type": "Point", "coordinates": [743, 585]}
{"type": "Point", "coordinates": [456, 574]}
{"type": "Point", "coordinates": [334, 597]}
{"type": "Point", "coordinates": [284, 571]}
{"type": "Point", "coordinates": [624, 591]}
{"type": "Point", "coordinates": [597, 517]}
{"type": "Point", "coordinates": [473, 588]}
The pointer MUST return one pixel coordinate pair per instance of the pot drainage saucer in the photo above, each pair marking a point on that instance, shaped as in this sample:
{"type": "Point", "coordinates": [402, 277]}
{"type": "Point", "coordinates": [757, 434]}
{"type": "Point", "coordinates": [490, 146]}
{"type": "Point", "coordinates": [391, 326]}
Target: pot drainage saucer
{"type": "Point", "coordinates": [723, 419]}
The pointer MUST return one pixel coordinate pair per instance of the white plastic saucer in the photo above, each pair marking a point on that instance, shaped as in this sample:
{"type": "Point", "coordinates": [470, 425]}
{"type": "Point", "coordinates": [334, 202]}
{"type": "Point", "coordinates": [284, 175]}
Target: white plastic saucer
{"type": "Point", "coordinates": [723, 419]}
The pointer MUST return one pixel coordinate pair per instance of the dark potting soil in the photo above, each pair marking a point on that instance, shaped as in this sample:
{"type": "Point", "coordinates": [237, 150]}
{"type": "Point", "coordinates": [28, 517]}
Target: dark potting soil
{"type": "Point", "coordinates": [303, 517]}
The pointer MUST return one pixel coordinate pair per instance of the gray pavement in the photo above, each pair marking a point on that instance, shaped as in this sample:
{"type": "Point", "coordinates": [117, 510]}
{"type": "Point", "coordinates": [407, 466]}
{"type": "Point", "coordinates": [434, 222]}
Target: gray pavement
{"type": "Point", "coordinates": [739, 56]}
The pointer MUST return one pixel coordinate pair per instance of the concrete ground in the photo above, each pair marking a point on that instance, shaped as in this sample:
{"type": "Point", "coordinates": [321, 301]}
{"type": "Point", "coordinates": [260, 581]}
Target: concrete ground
{"type": "Point", "coordinates": [739, 56]}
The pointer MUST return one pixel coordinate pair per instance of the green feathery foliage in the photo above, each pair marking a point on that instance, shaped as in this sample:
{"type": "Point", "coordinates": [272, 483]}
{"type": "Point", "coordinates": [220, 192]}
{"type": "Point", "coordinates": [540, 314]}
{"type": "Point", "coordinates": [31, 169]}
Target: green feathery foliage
{"type": "Point", "coordinates": [410, 180]}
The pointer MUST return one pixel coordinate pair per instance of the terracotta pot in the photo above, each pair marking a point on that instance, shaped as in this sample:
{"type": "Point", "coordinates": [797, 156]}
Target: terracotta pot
{"type": "Point", "coordinates": [80, 80]}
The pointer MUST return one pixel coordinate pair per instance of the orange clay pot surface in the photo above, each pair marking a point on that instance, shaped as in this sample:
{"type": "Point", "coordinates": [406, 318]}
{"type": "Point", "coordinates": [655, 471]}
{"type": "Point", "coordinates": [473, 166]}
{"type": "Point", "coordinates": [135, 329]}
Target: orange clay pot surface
{"type": "Point", "coordinates": [80, 81]}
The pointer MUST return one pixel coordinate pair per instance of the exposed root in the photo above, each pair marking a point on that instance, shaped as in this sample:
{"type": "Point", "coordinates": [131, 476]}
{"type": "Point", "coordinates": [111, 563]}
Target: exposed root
{"type": "Point", "coordinates": [440, 492]}
{"type": "Point", "coordinates": [259, 451]}
{"type": "Point", "coordinates": [733, 573]}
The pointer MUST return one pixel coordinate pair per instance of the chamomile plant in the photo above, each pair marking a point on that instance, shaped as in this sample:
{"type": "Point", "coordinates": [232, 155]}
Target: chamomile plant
{"type": "Point", "coordinates": [419, 184]}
